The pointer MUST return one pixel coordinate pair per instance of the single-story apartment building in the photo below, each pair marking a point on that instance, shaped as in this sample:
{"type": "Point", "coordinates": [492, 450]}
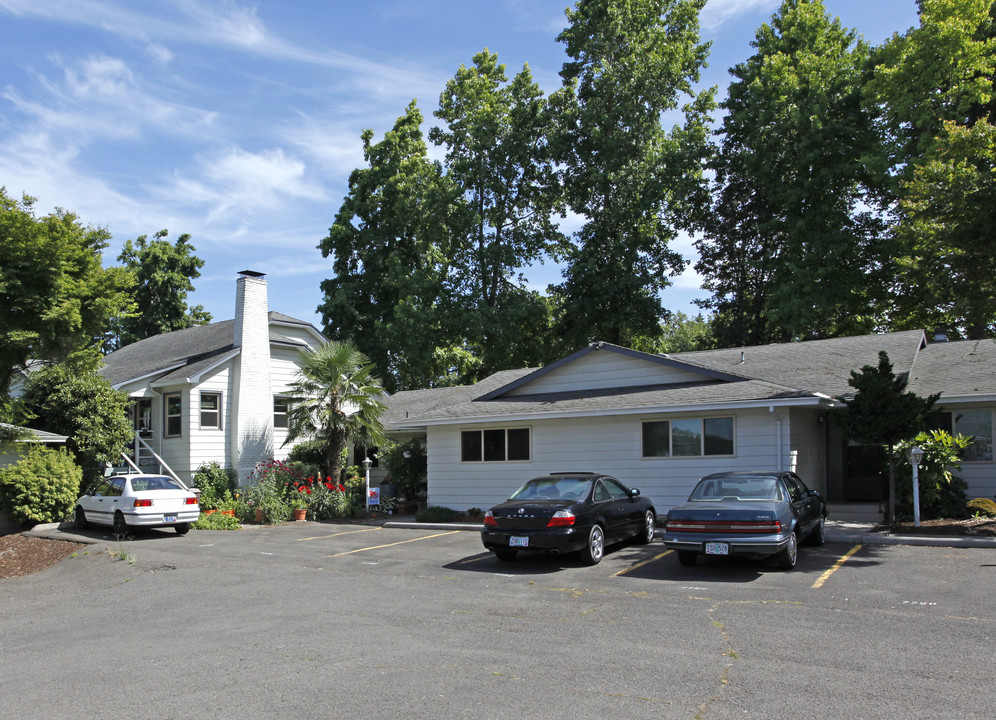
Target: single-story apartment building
{"type": "Point", "coordinates": [660, 422]}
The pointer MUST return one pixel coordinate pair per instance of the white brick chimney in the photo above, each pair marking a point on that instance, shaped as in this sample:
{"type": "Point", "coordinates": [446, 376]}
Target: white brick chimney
{"type": "Point", "coordinates": [251, 429]}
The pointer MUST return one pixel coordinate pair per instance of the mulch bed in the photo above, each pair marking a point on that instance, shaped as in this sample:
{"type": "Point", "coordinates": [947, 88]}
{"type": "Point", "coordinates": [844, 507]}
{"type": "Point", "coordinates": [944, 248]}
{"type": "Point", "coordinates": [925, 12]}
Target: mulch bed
{"type": "Point", "coordinates": [972, 527]}
{"type": "Point", "coordinates": [21, 555]}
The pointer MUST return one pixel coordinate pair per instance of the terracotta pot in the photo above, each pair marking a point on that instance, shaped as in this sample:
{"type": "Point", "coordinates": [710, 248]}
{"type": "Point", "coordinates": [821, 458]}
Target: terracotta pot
{"type": "Point", "coordinates": [259, 515]}
{"type": "Point", "coordinates": [300, 514]}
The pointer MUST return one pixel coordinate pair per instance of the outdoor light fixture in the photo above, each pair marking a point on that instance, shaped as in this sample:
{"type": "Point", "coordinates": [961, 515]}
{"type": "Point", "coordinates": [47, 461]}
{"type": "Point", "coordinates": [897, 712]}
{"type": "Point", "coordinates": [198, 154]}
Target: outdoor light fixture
{"type": "Point", "coordinates": [915, 455]}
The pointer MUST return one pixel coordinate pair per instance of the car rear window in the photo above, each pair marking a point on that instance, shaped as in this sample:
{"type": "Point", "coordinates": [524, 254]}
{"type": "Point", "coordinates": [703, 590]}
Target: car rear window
{"type": "Point", "coordinates": [748, 488]}
{"type": "Point", "coordinates": [154, 483]}
{"type": "Point", "coordinates": [553, 488]}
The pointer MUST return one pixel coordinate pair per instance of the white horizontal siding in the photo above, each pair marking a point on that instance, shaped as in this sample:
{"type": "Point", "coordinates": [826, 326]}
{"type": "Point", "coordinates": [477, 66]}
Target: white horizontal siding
{"type": "Point", "coordinates": [599, 370]}
{"type": "Point", "coordinates": [212, 444]}
{"type": "Point", "coordinates": [602, 444]}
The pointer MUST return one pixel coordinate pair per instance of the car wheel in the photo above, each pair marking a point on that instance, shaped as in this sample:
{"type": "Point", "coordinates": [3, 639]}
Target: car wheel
{"type": "Point", "coordinates": [649, 526]}
{"type": "Point", "coordinates": [182, 528]}
{"type": "Point", "coordinates": [687, 557]}
{"type": "Point", "coordinates": [594, 549]}
{"type": "Point", "coordinates": [81, 523]}
{"type": "Point", "coordinates": [120, 527]}
{"type": "Point", "coordinates": [819, 534]}
{"type": "Point", "coordinates": [505, 554]}
{"type": "Point", "coordinates": [787, 557]}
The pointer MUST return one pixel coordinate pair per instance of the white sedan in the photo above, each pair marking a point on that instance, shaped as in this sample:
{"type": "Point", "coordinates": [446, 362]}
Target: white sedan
{"type": "Point", "coordinates": [125, 501]}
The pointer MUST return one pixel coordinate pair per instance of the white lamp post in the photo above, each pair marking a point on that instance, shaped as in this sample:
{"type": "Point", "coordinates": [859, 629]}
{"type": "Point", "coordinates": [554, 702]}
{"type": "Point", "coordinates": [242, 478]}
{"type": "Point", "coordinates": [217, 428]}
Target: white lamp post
{"type": "Point", "coordinates": [915, 455]}
{"type": "Point", "coordinates": [366, 468]}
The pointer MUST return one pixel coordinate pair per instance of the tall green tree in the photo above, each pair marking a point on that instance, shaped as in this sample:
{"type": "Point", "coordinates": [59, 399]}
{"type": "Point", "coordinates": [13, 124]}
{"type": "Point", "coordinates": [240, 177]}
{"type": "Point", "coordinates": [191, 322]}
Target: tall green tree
{"type": "Point", "coordinates": [164, 272]}
{"type": "Point", "coordinates": [337, 400]}
{"type": "Point", "coordinates": [635, 183]}
{"type": "Point", "coordinates": [495, 133]}
{"type": "Point", "coordinates": [72, 399]}
{"type": "Point", "coordinates": [791, 250]}
{"type": "Point", "coordinates": [55, 294]}
{"type": "Point", "coordinates": [883, 412]}
{"type": "Point", "coordinates": [933, 93]}
{"type": "Point", "coordinates": [391, 252]}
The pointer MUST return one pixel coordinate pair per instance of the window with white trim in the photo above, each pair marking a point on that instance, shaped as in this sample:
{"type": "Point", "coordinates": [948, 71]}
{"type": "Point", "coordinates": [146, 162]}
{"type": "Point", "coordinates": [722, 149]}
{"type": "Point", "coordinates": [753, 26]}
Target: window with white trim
{"type": "Point", "coordinates": [173, 411]}
{"type": "Point", "coordinates": [688, 437]}
{"type": "Point", "coordinates": [211, 410]}
{"type": "Point", "coordinates": [495, 445]}
{"type": "Point", "coordinates": [281, 406]}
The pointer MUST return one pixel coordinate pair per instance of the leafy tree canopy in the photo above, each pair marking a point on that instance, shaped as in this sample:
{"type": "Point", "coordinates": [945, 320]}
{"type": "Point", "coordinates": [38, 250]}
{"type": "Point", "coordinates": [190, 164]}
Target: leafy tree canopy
{"type": "Point", "coordinates": [164, 272]}
{"type": "Point", "coordinates": [55, 295]}
{"type": "Point", "coordinates": [72, 399]}
{"type": "Point", "coordinates": [634, 183]}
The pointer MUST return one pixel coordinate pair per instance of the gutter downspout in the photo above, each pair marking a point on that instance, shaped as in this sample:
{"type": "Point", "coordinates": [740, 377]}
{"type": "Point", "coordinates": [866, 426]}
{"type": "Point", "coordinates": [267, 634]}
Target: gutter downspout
{"type": "Point", "coordinates": [778, 437]}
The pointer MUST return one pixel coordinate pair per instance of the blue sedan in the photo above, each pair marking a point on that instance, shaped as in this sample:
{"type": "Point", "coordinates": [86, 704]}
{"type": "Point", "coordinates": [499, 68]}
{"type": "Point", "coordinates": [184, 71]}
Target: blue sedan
{"type": "Point", "coordinates": [754, 514]}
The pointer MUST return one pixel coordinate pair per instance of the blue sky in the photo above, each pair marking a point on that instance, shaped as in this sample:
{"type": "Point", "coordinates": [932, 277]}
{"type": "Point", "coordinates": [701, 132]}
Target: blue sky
{"type": "Point", "coordinates": [239, 123]}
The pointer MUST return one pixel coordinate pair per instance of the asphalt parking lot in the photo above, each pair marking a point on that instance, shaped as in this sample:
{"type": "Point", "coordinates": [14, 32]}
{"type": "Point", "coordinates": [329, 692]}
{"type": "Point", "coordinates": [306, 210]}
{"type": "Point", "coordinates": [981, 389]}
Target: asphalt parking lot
{"type": "Point", "coordinates": [315, 620]}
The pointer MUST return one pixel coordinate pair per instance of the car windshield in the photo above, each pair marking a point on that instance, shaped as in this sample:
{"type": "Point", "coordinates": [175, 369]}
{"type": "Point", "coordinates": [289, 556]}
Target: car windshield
{"type": "Point", "coordinates": [737, 488]}
{"type": "Point", "coordinates": [154, 483]}
{"type": "Point", "coordinates": [553, 488]}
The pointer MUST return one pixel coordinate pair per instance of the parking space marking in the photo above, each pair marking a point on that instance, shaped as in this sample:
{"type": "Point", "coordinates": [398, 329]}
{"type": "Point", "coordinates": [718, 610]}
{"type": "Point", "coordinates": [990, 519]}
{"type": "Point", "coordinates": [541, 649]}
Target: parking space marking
{"type": "Point", "coordinates": [475, 558]}
{"type": "Point", "coordinates": [344, 532]}
{"type": "Point", "coordinates": [836, 566]}
{"type": "Point", "coordinates": [400, 542]}
{"type": "Point", "coordinates": [641, 564]}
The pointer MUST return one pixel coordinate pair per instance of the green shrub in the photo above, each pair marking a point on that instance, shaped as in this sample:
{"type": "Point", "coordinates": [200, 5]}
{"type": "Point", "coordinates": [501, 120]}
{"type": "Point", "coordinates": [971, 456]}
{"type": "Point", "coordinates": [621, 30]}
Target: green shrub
{"type": "Point", "coordinates": [217, 521]}
{"type": "Point", "coordinates": [942, 493]}
{"type": "Point", "coordinates": [406, 465]}
{"type": "Point", "coordinates": [982, 507]}
{"type": "Point", "coordinates": [436, 514]}
{"type": "Point", "coordinates": [215, 483]}
{"type": "Point", "coordinates": [309, 452]}
{"type": "Point", "coordinates": [42, 487]}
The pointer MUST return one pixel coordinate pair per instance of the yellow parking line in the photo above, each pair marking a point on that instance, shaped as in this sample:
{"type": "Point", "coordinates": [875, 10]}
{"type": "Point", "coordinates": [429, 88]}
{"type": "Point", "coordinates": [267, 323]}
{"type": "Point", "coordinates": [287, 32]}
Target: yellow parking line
{"type": "Point", "coordinates": [641, 564]}
{"type": "Point", "coordinates": [836, 566]}
{"type": "Point", "coordinates": [345, 532]}
{"type": "Point", "coordinates": [401, 542]}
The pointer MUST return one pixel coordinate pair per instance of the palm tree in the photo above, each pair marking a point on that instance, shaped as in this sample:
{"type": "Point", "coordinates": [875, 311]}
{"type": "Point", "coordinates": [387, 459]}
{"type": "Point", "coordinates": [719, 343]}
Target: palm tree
{"type": "Point", "coordinates": [336, 399]}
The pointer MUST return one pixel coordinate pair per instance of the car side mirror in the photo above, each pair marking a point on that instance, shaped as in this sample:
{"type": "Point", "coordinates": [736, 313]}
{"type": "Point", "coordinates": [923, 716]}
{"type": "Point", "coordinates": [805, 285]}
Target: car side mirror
{"type": "Point", "coordinates": [814, 493]}
{"type": "Point", "coordinates": [634, 492]}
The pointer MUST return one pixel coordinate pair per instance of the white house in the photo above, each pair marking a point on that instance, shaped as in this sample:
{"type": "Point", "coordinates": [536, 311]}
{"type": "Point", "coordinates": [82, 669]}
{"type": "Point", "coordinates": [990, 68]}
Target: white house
{"type": "Point", "coordinates": [660, 422]}
{"type": "Point", "coordinates": [215, 392]}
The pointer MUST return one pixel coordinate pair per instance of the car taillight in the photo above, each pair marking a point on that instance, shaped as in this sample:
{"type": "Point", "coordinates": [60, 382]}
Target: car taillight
{"type": "Point", "coordinates": [489, 519]}
{"type": "Point", "coordinates": [143, 503]}
{"type": "Point", "coordinates": [767, 526]}
{"type": "Point", "coordinates": [190, 501]}
{"type": "Point", "coordinates": [562, 518]}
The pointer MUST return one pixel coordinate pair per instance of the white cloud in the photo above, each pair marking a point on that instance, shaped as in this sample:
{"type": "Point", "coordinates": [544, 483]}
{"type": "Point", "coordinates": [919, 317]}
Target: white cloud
{"type": "Point", "coordinates": [718, 12]}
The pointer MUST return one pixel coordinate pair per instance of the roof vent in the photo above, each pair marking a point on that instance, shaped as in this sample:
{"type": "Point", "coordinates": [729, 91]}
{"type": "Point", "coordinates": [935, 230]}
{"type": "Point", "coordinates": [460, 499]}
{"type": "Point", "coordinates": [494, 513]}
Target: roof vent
{"type": "Point", "coordinates": [251, 273]}
{"type": "Point", "coordinates": [743, 358]}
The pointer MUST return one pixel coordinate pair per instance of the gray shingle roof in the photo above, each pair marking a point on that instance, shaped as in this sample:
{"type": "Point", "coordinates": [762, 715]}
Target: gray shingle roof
{"type": "Point", "coordinates": [962, 369]}
{"type": "Point", "coordinates": [777, 372]}
{"type": "Point", "coordinates": [822, 366]}
{"type": "Point", "coordinates": [193, 350]}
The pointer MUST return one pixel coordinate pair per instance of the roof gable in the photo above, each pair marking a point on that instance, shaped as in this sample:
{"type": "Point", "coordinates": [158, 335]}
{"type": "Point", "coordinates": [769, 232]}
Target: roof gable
{"type": "Point", "coordinates": [187, 354]}
{"type": "Point", "coordinates": [603, 366]}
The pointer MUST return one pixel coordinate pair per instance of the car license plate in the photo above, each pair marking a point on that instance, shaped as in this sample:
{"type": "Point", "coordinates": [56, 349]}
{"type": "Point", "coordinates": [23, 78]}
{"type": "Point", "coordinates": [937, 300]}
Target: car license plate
{"type": "Point", "coordinates": [169, 518]}
{"type": "Point", "coordinates": [518, 542]}
{"type": "Point", "coordinates": [716, 548]}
